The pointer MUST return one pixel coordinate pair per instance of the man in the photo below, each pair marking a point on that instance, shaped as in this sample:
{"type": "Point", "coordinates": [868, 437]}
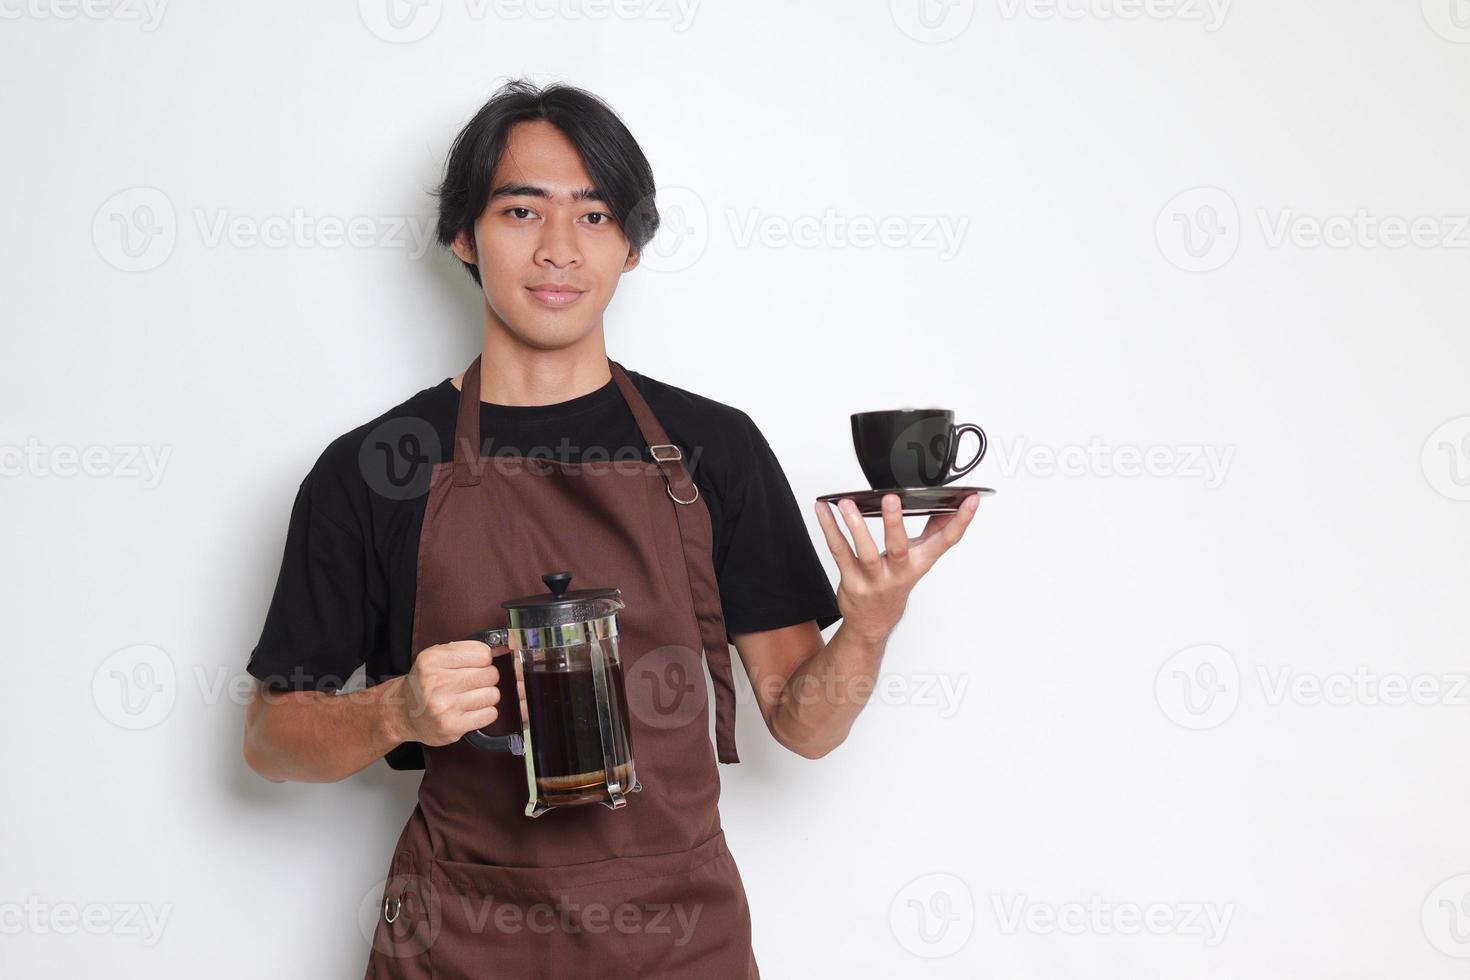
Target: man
{"type": "Point", "coordinates": [411, 530]}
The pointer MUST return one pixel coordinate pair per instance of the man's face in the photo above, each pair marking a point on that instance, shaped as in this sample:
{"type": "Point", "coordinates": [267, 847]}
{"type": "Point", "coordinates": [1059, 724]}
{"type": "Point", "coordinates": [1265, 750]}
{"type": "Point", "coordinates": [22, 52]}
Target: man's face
{"type": "Point", "coordinates": [544, 226]}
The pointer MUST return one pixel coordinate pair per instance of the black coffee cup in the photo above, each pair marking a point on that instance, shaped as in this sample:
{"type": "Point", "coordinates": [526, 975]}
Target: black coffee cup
{"type": "Point", "coordinates": [911, 447]}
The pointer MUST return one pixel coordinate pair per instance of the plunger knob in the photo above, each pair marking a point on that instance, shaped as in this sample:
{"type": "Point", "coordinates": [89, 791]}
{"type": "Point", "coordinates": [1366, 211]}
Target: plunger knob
{"type": "Point", "coordinates": [557, 582]}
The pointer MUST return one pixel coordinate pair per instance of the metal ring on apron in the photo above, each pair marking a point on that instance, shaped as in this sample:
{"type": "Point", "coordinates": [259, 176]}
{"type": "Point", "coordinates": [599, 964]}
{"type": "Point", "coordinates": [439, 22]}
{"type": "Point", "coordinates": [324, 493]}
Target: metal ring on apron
{"type": "Point", "coordinates": [397, 907]}
{"type": "Point", "coordinates": [668, 458]}
{"type": "Point", "coordinates": [677, 500]}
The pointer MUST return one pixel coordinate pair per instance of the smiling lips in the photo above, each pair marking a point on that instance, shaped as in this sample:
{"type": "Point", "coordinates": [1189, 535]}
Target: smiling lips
{"type": "Point", "coordinates": [555, 294]}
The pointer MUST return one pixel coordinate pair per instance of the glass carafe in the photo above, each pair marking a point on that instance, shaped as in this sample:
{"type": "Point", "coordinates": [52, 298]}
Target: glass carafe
{"type": "Point", "coordinates": [571, 706]}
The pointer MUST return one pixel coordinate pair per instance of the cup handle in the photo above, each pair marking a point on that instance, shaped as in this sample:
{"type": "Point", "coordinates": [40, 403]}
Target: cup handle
{"type": "Point", "coordinates": [954, 451]}
{"type": "Point", "coordinates": [512, 743]}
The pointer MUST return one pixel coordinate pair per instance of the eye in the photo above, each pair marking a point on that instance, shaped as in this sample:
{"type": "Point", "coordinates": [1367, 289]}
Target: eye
{"type": "Point", "coordinates": [512, 211]}
{"type": "Point", "coordinates": [600, 214]}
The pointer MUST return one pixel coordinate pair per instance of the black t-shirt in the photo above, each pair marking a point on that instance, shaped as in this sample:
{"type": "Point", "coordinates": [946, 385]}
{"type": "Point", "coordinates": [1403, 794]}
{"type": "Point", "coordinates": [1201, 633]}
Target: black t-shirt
{"type": "Point", "coordinates": [345, 595]}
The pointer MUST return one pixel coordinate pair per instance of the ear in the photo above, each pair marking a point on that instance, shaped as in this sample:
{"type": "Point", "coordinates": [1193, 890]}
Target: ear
{"type": "Point", "coordinates": [633, 256]}
{"type": "Point", "coordinates": [464, 247]}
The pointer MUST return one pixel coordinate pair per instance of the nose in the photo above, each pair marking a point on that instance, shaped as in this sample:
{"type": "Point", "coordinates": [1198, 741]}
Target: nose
{"type": "Point", "coordinates": [558, 245]}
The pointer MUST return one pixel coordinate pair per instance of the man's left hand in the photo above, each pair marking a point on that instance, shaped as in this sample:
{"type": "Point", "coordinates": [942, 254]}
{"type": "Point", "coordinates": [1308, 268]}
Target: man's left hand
{"type": "Point", "coordinates": [875, 586]}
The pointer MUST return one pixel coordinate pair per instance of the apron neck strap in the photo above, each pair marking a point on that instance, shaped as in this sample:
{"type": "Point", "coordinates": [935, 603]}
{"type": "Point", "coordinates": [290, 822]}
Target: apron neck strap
{"type": "Point", "coordinates": [667, 455]}
{"type": "Point", "coordinates": [467, 432]}
{"type": "Point", "coordinates": [467, 428]}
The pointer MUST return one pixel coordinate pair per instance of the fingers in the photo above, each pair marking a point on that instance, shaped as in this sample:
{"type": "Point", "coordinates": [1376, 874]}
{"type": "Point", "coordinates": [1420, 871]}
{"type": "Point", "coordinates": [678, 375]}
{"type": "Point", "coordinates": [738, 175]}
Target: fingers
{"type": "Point", "coordinates": [944, 530]}
{"type": "Point", "coordinates": [933, 526]}
{"type": "Point", "coordinates": [895, 538]}
{"type": "Point", "coordinates": [836, 543]}
{"type": "Point", "coordinates": [857, 526]}
{"type": "Point", "coordinates": [955, 528]}
{"type": "Point", "coordinates": [447, 670]}
{"type": "Point", "coordinates": [482, 718]}
{"type": "Point", "coordinates": [947, 529]}
{"type": "Point", "coordinates": [480, 698]}
{"type": "Point", "coordinates": [471, 687]}
{"type": "Point", "coordinates": [462, 653]}
{"type": "Point", "coordinates": [452, 694]}
{"type": "Point", "coordinates": [468, 679]}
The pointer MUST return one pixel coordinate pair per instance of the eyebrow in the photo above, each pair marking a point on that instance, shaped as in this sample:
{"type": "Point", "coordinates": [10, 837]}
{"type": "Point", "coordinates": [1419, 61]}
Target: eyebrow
{"type": "Point", "coordinates": [531, 190]}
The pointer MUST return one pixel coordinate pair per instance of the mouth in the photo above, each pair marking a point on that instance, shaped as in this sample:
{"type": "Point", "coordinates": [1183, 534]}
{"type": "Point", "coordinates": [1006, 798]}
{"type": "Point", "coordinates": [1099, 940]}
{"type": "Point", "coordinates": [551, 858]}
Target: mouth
{"type": "Point", "coordinates": [555, 295]}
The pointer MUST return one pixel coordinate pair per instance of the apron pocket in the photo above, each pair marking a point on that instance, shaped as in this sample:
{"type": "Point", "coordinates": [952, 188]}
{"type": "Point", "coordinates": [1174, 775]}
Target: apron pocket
{"type": "Point", "coordinates": [658, 915]}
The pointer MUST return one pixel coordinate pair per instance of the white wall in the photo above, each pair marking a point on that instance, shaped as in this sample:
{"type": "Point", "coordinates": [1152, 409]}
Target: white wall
{"type": "Point", "coordinates": [1067, 148]}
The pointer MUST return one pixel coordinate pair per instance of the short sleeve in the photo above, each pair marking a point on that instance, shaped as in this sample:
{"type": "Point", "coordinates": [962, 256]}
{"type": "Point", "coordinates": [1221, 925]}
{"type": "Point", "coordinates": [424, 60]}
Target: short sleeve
{"type": "Point", "coordinates": [769, 572]}
{"type": "Point", "coordinates": [318, 623]}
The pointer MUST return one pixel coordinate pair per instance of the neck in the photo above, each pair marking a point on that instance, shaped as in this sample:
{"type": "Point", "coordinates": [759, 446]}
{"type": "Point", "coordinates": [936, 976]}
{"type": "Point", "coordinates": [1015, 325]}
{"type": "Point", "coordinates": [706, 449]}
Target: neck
{"type": "Point", "coordinates": [514, 373]}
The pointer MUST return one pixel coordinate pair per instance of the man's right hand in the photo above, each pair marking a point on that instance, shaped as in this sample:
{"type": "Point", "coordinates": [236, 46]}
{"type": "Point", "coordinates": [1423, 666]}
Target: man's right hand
{"type": "Point", "coordinates": [323, 736]}
{"type": "Point", "coordinates": [451, 689]}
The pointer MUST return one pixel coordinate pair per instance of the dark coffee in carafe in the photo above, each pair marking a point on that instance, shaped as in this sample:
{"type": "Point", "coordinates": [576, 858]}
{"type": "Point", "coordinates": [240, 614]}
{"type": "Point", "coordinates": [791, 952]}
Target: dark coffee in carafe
{"type": "Point", "coordinates": [566, 741]}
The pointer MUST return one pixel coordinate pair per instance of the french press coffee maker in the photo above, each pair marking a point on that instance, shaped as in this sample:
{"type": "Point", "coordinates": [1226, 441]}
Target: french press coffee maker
{"type": "Point", "coordinates": [572, 706]}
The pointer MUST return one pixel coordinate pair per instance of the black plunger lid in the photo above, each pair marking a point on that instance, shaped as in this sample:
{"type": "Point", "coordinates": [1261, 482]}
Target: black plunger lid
{"type": "Point", "coordinates": [559, 607]}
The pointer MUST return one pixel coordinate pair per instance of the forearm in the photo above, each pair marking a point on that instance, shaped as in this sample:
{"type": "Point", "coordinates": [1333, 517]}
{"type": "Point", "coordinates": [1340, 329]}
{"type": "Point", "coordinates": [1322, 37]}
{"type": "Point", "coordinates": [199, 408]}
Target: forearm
{"type": "Point", "coordinates": [318, 737]}
{"type": "Point", "coordinates": [823, 697]}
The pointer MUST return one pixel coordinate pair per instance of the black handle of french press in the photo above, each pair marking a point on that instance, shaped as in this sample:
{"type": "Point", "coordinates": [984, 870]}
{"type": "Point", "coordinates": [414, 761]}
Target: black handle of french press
{"type": "Point", "coordinates": [512, 743]}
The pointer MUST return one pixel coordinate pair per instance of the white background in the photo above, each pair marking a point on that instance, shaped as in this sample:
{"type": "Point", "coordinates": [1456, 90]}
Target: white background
{"type": "Point", "coordinates": [1136, 189]}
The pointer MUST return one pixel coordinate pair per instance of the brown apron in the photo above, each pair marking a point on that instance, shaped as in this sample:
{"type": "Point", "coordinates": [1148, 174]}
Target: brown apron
{"type": "Point", "coordinates": [476, 888]}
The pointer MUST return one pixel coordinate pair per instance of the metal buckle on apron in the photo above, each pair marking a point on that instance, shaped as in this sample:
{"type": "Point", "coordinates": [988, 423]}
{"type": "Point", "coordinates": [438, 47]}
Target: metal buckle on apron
{"type": "Point", "coordinates": [397, 901]}
{"type": "Point", "coordinates": [653, 450]}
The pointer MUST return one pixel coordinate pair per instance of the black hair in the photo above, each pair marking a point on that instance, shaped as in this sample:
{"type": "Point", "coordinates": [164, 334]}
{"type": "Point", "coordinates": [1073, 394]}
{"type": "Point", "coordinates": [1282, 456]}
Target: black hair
{"type": "Point", "coordinates": [615, 162]}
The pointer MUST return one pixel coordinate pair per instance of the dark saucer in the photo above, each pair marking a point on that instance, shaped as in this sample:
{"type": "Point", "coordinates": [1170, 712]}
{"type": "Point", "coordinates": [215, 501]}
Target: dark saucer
{"type": "Point", "coordinates": [915, 501]}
